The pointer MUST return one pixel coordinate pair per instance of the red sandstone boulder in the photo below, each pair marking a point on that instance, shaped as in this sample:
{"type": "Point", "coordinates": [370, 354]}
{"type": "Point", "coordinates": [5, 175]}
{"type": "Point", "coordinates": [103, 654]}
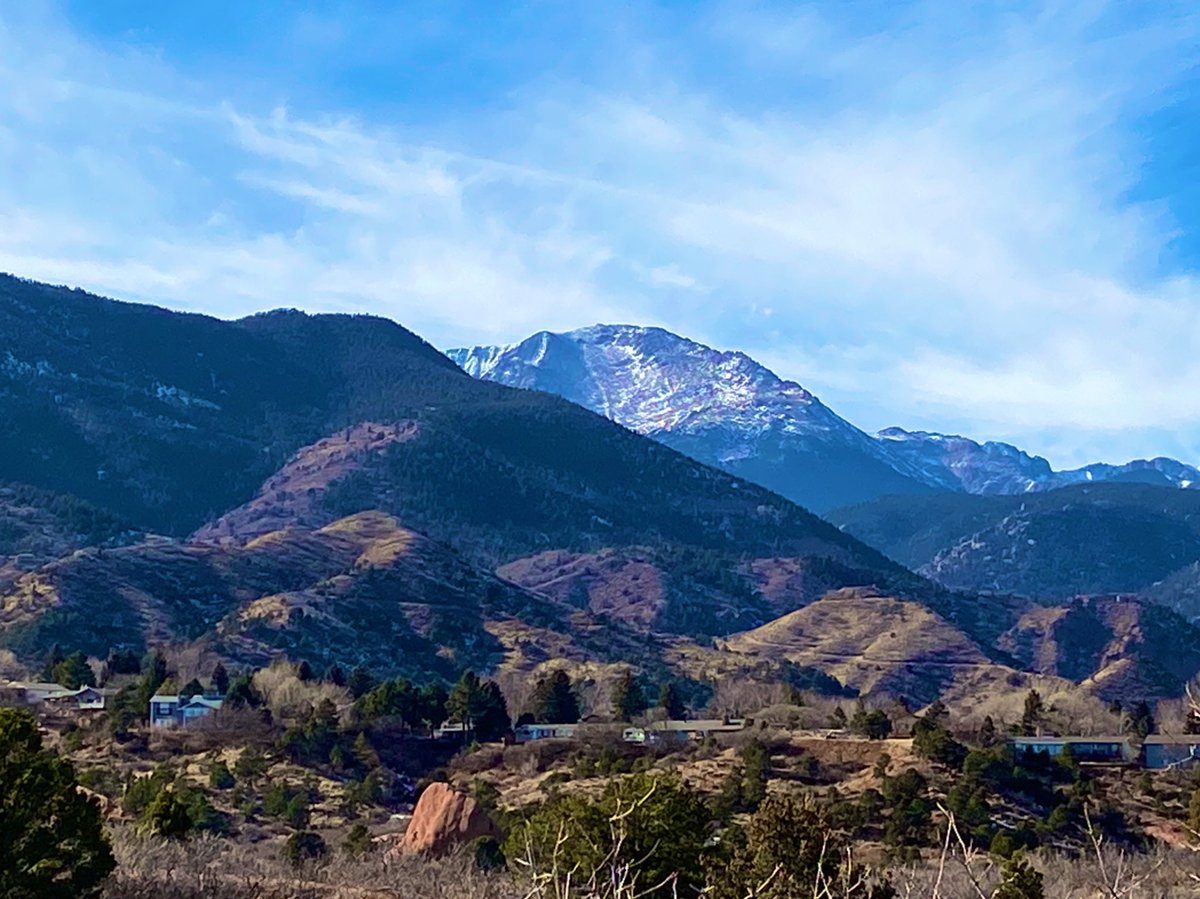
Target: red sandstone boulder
{"type": "Point", "coordinates": [444, 819]}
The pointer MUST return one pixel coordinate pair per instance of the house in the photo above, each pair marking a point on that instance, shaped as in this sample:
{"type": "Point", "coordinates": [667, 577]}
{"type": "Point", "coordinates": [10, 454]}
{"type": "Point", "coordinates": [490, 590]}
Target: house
{"type": "Point", "coordinates": [33, 693]}
{"type": "Point", "coordinates": [662, 732]}
{"type": "Point", "coordinates": [528, 733]}
{"type": "Point", "coordinates": [1083, 749]}
{"type": "Point", "coordinates": [1161, 751]}
{"type": "Point", "coordinates": [85, 699]}
{"type": "Point", "coordinates": [56, 696]}
{"type": "Point", "coordinates": [167, 710]}
{"type": "Point", "coordinates": [456, 731]}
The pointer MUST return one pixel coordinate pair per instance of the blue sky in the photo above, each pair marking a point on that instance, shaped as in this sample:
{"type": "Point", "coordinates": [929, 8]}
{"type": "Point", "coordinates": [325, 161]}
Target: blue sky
{"type": "Point", "coordinates": [976, 218]}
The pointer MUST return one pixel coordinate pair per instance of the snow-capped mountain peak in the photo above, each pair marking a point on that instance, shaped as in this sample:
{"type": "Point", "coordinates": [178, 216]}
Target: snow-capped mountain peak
{"type": "Point", "coordinates": [720, 407]}
{"type": "Point", "coordinates": [728, 410]}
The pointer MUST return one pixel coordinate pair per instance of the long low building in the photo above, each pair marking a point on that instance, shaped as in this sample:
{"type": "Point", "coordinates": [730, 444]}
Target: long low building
{"type": "Point", "coordinates": [1156, 752]}
{"type": "Point", "coordinates": [1083, 749]}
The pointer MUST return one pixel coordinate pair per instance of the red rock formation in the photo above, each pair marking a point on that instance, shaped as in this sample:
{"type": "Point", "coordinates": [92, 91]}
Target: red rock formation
{"type": "Point", "coordinates": [444, 819]}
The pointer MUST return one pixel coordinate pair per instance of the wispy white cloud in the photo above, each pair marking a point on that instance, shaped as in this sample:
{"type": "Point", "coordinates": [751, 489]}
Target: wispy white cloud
{"type": "Point", "coordinates": [926, 218]}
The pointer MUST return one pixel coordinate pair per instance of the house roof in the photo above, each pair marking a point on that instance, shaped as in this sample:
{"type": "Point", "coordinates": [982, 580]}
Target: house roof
{"type": "Point", "coordinates": [1173, 739]}
{"type": "Point", "coordinates": [36, 686]}
{"type": "Point", "coordinates": [211, 702]}
{"type": "Point", "coordinates": [164, 697]}
{"type": "Point", "coordinates": [1052, 741]}
{"type": "Point", "coordinates": [63, 692]}
{"type": "Point", "coordinates": [718, 724]}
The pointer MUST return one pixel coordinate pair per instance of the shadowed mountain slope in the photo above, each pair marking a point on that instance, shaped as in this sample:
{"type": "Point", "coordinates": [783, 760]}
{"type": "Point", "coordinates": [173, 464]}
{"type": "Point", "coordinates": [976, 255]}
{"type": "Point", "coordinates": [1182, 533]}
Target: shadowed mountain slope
{"type": "Point", "coordinates": [1093, 539]}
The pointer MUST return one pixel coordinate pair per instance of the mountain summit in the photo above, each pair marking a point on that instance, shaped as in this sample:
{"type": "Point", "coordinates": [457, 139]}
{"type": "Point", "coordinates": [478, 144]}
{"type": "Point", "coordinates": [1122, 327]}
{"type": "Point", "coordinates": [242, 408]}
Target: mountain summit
{"type": "Point", "coordinates": [722, 408]}
{"type": "Point", "coordinates": [729, 411]}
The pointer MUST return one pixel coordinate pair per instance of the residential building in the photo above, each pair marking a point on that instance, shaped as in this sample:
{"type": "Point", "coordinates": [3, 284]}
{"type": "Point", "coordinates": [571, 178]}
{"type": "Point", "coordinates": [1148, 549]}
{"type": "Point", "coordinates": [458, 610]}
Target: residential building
{"type": "Point", "coordinates": [55, 696]}
{"type": "Point", "coordinates": [1169, 751]}
{"type": "Point", "coordinates": [168, 710]}
{"type": "Point", "coordinates": [1083, 749]}
{"type": "Point", "coordinates": [528, 733]}
{"type": "Point", "coordinates": [663, 732]}
{"type": "Point", "coordinates": [85, 699]}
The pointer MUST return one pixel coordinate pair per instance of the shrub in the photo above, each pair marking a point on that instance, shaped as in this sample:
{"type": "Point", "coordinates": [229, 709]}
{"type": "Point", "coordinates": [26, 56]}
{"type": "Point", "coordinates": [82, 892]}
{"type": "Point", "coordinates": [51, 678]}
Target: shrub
{"type": "Point", "coordinates": [304, 846]}
{"type": "Point", "coordinates": [1019, 880]}
{"type": "Point", "coordinates": [167, 816]}
{"type": "Point", "coordinates": [790, 848]}
{"type": "Point", "coordinates": [358, 841]}
{"type": "Point", "coordinates": [874, 725]}
{"type": "Point", "coordinates": [487, 853]}
{"type": "Point", "coordinates": [220, 777]}
{"type": "Point", "coordinates": [648, 832]}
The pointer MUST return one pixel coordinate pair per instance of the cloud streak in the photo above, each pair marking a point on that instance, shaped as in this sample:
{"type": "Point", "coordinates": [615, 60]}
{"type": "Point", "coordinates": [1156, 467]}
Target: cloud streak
{"type": "Point", "coordinates": [926, 218]}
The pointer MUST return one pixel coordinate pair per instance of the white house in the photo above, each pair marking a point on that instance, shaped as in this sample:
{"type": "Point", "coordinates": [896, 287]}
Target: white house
{"type": "Point", "coordinates": [528, 733]}
{"type": "Point", "coordinates": [57, 696]}
{"type": "Point", "coordinates": [665, 732]}
{"type": "Point", "coordinates": [85, 699]}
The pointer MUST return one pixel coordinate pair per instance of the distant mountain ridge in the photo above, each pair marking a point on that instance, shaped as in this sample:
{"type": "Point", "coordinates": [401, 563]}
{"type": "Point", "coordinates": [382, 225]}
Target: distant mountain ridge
{"type": "Point", "coordinates": [1100, 538]}
{"type": "Point", "coordinates": [995, 468]}
{"type": "Point", "coordinates": [727, 410]}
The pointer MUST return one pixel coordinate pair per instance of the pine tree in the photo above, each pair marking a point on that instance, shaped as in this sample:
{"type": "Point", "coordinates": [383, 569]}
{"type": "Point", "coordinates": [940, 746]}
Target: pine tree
{"type": "Point", "coordinates": [466, 701]}
{"type": "Point", "coordinates": [361, 682]}
{"type": "Point", "coordinates": [1140, 723]}
{"type": "Point", "coordinates": [493, 722]}
{"type": "Point", "coordinates": [304, 671]}
{"type": "Point", "coordinates": [628, 698]}
{"type": "Point", "coordinates": [220, 679]}
{"type": "Point", "coordinates": [554, 700]}
{"type": "Point", "coordinates": [1019, 880]}
{"type": "Point", "coordinates": [432, 704]}
{"type": "Point", "coordinates": [1031, 719]}
{"type": "Point", "coordinates": [54, 658]}
{"type": "Point", "coordinates": [671, 702]}
{"type": "Point", "coordinates": [335, 675]}
{"type": "Point", "coordinates": [243, 694]}
{"type": "Point", "coordinates": [52, 842]}
{"type": "Point", "coordinates": [74, 672]}
{"type": "Point", "coordinates": [191, 688]}
{"type": "Point", "coordinates": [364, 752]}
{"type": "Point", "coordinates": [155, 669]}
{"type": "Point", "coordinates": [987, 733]}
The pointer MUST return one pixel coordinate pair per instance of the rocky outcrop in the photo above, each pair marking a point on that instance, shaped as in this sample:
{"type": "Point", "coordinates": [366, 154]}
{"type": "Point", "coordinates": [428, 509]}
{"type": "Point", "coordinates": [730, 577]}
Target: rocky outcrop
{"type": "Point", "coordinates": [444, 819]}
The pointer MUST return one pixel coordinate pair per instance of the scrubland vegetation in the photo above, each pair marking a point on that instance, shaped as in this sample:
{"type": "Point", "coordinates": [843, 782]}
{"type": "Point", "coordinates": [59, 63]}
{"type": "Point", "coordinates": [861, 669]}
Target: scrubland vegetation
{"type": "Point", "coordinates": [301, 784]}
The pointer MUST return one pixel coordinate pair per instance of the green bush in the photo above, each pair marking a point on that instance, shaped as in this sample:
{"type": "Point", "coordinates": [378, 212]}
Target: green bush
{"type": "Point", "coordinates": [220, 777]}
{"type": "Point", "coordinates": [167, 816]}
{"type": "Point", "coordinates": [358, 841]}
{"type": "Point", "coordinates": [1019, 880]}
{"type": "Point", "coordinates": [790, 848]}
{"type": "Point", "coordinates": [487, 854]}
{"type": "Point", "coordinates": [651, 830]}
{"type": "Point", "coordinates": [304, 846]}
